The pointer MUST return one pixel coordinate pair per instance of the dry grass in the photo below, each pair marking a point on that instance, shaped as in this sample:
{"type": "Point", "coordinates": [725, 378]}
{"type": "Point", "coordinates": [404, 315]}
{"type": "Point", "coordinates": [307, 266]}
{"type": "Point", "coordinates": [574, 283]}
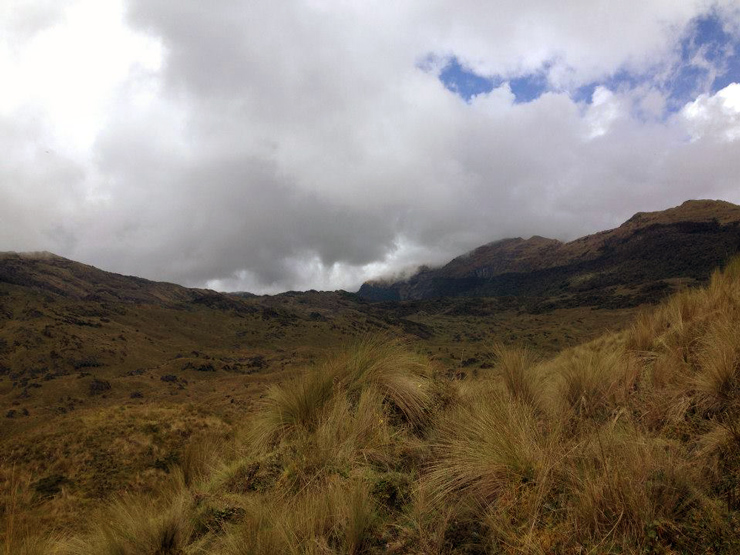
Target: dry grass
{"type": "Point", "coordinates": [670, 325]}
{"type": "Point", "coordinates": [33, 545]}
{"type": "Point", "coordinates": [522, 377]}
{"type": "Point", "coordinates": [627, 444]}
{"type": "Point", "coordinates": [18, 538]}
{"type": "Point", "coordinates": [292, 408]}
{"type": "Point", "coordinates": [593, 381]}
{"type": "Point", "coordinates": [338, 519]}
{"type": "Point", "coordinates": [717, 381]}
{"type": "Point", "coordinates": [486, 446]}
{"type": "Point", "coordinates": [359, 434]}
{"type": "Point", "coordinates": [140, 526]}
{"type": "Point", "coordinates": [623, 482]}
{"type": "Point", "coordinates": [401, 376]}
{"type": "Point", "coordinates": [425, 523]}
{"type": "Point", "coordinates": [200, 457]}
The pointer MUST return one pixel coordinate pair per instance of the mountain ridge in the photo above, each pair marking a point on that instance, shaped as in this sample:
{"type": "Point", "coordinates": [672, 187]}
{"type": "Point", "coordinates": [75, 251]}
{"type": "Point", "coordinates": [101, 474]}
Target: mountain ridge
{"type": "Point", "coordinates": [50, 272]}
{"type": "Point", "coordinates": [700, 234]}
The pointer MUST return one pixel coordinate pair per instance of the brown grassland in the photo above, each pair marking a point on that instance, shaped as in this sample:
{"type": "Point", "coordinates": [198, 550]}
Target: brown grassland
{"type": "Point", "coordinates": [627, 443]}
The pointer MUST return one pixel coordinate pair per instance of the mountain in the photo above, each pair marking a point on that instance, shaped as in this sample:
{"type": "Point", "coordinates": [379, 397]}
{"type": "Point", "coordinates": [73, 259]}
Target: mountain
{"type": "Point", "coordinates": [644, 258]}
{"type": "Point", "coordinates": [157, 428]}
{"type": "Point", "coordinates": [45, 271]}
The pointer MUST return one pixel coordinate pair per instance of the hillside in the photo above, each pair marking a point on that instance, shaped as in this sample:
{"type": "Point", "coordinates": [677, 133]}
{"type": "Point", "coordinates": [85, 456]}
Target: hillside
{"type": "Point", "coordinates": [644, 258]}
{"type": "Point", "coordinates": [626, 444]}
{"type": "Point", "coordinates": [109, 382]}
{"type": "Point", "coordinates": [44, 271]}
{"type": "Point", "coordinates": [104, 378]}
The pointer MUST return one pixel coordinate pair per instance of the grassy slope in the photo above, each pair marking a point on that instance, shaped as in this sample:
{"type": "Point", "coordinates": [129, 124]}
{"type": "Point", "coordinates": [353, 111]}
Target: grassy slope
{"type": "Point", "coordinates": [100, 397]}
{"type": "Point", "coordinates": [627, 444]}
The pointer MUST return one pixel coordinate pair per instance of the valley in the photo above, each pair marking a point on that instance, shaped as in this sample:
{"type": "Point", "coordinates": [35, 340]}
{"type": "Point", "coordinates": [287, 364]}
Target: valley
{"type": "Point", "coordinates": [107, 381]}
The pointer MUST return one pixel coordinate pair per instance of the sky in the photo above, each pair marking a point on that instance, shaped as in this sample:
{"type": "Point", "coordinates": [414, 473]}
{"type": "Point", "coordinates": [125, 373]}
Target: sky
{"type": "Point", "coordinates": [315, 144]}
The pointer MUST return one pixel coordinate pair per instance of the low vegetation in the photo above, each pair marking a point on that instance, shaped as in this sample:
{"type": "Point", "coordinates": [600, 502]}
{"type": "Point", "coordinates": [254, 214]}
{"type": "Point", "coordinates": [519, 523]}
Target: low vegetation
{"type": "Point", "coordinates": [627, 444]}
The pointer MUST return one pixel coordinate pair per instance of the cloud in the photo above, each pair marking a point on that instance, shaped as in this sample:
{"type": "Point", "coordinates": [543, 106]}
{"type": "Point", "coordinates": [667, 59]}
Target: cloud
{"type": "Point", "coordinates": [714, 116]}
{"type": "Point", "coordinates": [311, 144]}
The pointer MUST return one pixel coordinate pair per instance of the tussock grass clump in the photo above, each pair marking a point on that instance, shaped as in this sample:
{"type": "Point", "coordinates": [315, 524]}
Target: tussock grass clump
{"type": "Point", "coordinates": [292, 408]}
{"type": "Point", "coordinates": [140, 526]}
{"type": "Point", "coordinates": [424, 525]}
{"type": "Point", "coordinates": [693, 363]}
{"type": "Point", "coordinates": [339, 519]}
{"type": "Point", "coordinates": [356, 434]}
{"type": "Point", "coordinates": [400, 379]}
{"type": "Point", "coordinates": [201, 455]}
{"type": "Point", "coordinates": [719, 451]}
{"type": "Point", "coordinates": [593, 381]}
{"type": "Point", "coordinates": [724, 284]}
{"type": "Point", "coordinates": [486, 446]}
{"type": "Point", "coordinates": [522, 377]}
{"type": "Point", "coordinates": [32, 545]}
{"type": "Point", "coordinates": [17, 537]}
{"type": "Point", "coordinates": [623, 482]}
{"type": "Point", "coordinates": [670, 325]}
{"type": "Point", "coordinates": [717, 381]}
{"type": "Point", "coordinates": [355, 410]}
{"type": "Point", "coordinates": [494, 479]}
{"type": "Point", "coordinates": [400, 376]}
{"type": "Point", "coordinates": [643, 333]}
{"type": "Point", "coordinates": [346, 439]}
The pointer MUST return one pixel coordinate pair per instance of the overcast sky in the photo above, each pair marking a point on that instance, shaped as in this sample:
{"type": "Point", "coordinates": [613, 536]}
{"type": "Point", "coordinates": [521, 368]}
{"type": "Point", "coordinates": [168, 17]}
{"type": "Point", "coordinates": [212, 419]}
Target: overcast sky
{"type": "Point", "coordinates": [296, 144]}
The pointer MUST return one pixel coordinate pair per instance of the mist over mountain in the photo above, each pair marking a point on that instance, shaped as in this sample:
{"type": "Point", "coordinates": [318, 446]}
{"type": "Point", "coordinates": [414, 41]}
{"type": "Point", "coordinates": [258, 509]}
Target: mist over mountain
{"type": "Point", "coordinates": [645, 252]}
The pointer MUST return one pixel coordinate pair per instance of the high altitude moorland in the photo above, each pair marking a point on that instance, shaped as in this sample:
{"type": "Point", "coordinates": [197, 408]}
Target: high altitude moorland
{"type": "Point", "coordinates": [142, 417]}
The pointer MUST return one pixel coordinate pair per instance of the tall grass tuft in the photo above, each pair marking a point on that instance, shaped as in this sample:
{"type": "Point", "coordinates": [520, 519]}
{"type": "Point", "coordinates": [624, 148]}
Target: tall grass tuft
{"type": "Point", "coordinates": [487, 446]}
{"type": "Point", "coordinates": [338, 519]}
{"type": "Point", "coordinates": [18, 538]}
{"type": "Point", "coordinates": [201, 454]}
{"type": "Point", "coordinates": [717, 381]}
{"type": "Point", "coordinates": [424, 524]}
{"type": "Point", "coordinates": [356, 434]}
{"type": "Point", "coordinates": [354, 516]}
{"type": "Point", "coordinates": [292, 407]}
{"type": "Point", "coordinates": [670, 325]}
{"type": "Point", "coordinates": [522, 377]}
{"type": "Point", "coordinates": [139, 526]}
{"type": "Point", "coordinates": [594, 380]}
{"type": "Point", "coordinates": [623, 482]}
{"type": "Point", "coordinates": [400, 378]}
{"type": "Point", "coordinates": [32, 545]}
{"type": "Point", "coordinates": [387, 365]}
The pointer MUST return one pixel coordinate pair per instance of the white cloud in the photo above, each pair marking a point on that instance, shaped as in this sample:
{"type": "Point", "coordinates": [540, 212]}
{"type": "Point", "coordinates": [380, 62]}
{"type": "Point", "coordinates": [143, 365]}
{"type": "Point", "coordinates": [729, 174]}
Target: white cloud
{"type": "Point", "coordinates": [271, 146]}
{"type": "Point", "coordinates": [601, 114]}
{"type": "Point", "coordinates": [70, 63]}
{"type": "Point", "coordinates": [714, 116]}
